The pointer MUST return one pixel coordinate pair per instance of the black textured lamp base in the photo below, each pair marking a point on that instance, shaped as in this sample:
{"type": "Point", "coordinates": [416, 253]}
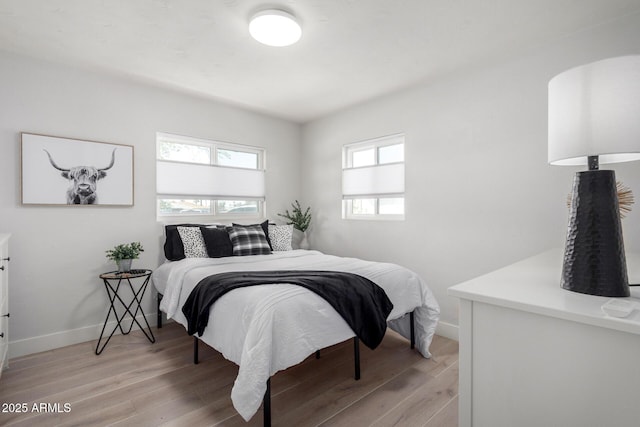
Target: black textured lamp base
{"type": "Point", "coordinates": [594, 258]}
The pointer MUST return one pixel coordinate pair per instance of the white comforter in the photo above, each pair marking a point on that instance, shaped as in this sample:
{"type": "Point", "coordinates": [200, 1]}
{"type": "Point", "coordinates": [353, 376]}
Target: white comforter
{"type": "Point", "coordinates": [265, 329]}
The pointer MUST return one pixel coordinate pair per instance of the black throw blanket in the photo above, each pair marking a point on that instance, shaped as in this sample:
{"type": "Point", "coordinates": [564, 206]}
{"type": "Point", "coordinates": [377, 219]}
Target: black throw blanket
{"type": "Point", "coordinates": [361, 303]}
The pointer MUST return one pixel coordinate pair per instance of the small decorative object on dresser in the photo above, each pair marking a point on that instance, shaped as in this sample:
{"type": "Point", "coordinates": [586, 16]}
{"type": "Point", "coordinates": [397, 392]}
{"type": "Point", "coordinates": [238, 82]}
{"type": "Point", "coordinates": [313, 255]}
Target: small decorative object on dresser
{"type": "Point", "coordinates": [300, 220]}
{"type": "Point", "coordinates": [124, 253]}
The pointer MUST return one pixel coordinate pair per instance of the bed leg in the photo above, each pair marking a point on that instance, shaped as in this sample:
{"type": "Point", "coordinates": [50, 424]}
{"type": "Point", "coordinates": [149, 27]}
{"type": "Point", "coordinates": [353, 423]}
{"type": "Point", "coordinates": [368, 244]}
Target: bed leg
{"type": "Point", "coordinates": [356, 356]}
{"type": "Point", "coordinates": [412, 329]}
{"type": "Point", "coordinates": [159, 318]}
{"type": "Point", "coordinates": [195, 350]}
{"type": "Point", "coordinates": [317, 354]}
{"type": "Point", "coordinates": [266, 405]}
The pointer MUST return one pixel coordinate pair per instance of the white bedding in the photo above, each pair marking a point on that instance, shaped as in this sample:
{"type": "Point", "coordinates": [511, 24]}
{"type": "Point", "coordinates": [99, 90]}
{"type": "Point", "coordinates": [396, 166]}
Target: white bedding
{"type": "Point", "coordinates": [265, 329]}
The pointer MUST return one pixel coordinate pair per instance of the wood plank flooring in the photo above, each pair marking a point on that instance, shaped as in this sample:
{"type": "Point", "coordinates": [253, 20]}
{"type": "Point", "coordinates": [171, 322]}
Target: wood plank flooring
{"type": "Point", "coordinates": [136, 383]}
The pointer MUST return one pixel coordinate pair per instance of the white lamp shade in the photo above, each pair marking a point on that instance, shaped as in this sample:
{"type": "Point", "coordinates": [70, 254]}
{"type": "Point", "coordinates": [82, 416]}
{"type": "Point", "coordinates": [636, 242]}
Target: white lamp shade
{"type": "Point", "coordinates": [188, 179]}
{"type": "Point", "coordinates": [373, 181]}
{"type": "Point", "coordinates": [594, 110]}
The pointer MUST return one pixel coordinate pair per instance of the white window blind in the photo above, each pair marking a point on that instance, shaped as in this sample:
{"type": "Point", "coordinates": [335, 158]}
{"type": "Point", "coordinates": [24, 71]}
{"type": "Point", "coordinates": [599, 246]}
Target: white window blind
{"type": "Point", "coordinates": [372, 181]}
{"type": "Point", "coordinates": [212, 181]}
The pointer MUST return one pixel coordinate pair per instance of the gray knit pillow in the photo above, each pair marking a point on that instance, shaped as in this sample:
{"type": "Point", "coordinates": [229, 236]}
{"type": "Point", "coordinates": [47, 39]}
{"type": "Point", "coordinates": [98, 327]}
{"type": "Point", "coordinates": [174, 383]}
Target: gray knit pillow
{"type": "Point", "coordinates": [193, 242]}
{"type": "Point", "coordinates": [280, 236]}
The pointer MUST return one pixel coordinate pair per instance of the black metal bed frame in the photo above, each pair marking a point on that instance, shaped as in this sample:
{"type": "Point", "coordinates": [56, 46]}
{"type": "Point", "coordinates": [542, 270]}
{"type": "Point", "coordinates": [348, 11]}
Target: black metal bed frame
{"type": "Point", "coordinates": [266, 400]}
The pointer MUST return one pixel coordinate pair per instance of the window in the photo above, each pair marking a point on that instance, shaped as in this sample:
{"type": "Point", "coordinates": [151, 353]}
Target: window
{"type": "Point", "coordinates": [373, 179]}
{"type": "Point", "coordinates": [202, 177]}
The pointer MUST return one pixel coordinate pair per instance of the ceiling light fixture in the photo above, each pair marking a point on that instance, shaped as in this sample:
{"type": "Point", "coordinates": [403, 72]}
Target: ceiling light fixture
{"type": "Point", "coordinates": [275, 28]}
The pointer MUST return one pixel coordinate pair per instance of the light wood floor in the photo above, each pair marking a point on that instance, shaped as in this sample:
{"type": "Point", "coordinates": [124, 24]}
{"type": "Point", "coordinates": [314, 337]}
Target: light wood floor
{"type": "Point", "coordinates": [136, 383]}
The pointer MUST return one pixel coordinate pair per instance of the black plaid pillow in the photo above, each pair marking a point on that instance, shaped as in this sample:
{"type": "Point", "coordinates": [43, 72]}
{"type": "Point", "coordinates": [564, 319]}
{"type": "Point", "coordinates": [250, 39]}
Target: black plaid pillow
{"type": "Point", "coordinates": [248, 240]}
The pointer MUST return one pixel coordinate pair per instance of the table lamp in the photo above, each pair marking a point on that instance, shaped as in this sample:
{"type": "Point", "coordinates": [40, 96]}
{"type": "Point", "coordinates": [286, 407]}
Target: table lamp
{"type": "Point", "coordinates": [594, 118]}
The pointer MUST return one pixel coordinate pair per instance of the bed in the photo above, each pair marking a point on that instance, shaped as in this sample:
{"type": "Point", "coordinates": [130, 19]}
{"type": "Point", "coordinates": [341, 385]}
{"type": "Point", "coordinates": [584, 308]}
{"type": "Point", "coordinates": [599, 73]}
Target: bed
{"type": "Point", "coordinates": [268, 328]}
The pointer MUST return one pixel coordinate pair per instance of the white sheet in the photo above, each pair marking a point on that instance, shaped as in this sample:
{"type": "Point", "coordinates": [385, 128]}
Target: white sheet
{"type": "Point", "coordinates": [265, 329]}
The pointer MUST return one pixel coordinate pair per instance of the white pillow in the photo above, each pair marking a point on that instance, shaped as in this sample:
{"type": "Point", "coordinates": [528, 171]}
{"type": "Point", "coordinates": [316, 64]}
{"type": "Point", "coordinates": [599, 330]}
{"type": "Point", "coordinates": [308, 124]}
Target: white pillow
{"type": "Point", "coordinates": [280, 236]}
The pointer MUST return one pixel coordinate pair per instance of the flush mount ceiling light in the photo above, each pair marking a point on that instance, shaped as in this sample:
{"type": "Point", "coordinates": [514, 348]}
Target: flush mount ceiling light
{"type": "Point", "coordinates": [275, 28]}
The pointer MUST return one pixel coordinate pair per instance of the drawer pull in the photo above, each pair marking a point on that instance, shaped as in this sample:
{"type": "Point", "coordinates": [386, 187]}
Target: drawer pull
{"type": "Point", "coordinates": [2, 268]}
{"type": "Point", "coordinates": [1, 334]}
{"type": "Point", "coordinates": [6, 315]}
{"type": "Point", "coordinates": [6, 259]}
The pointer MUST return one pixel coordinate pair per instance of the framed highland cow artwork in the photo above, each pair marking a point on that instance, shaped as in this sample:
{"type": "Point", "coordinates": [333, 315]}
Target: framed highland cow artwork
{"type": "Point", "coordinates": [67, 171]}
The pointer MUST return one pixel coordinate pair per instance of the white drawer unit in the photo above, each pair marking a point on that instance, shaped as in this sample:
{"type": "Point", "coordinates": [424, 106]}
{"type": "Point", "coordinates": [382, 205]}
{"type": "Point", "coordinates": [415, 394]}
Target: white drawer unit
{"type": "Point", "coordinates": [4, 300]}
{"type": "Point", "coordinates": [533, 354]}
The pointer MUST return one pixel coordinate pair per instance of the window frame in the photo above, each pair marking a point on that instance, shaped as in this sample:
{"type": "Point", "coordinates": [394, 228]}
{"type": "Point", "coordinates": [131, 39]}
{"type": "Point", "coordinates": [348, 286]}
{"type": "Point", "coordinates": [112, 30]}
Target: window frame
{"type": "Point", "coordinates": [214, 146]}
{"type": "Point", "coordinates": [347, 161]}
{"type": "Point", "coordinates": [376, 144]}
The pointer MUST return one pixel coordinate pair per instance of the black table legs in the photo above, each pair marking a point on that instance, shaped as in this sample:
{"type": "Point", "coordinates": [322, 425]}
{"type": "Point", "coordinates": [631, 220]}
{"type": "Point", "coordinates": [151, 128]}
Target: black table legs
{"type": "Point", "coordinates": [115, 299]}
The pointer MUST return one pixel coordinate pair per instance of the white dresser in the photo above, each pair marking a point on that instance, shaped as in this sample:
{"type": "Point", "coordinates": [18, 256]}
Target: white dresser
{"type": "Point", "coordinates": [4, 300]}
{"type": "Point", "coordinates": [534, 354]}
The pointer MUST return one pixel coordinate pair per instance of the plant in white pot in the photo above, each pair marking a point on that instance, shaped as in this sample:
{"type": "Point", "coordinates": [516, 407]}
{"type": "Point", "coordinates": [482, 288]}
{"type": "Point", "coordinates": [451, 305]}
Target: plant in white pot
{"type": "Point", "coordinates": [123, 255]}
{"type": "Point", "coordinates": [300, 220]}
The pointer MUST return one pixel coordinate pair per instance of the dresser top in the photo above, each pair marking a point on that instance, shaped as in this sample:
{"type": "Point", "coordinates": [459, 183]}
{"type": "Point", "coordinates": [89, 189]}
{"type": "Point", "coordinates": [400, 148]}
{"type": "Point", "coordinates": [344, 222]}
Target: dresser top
{"type": "Point", "coordinates": [533, 285]}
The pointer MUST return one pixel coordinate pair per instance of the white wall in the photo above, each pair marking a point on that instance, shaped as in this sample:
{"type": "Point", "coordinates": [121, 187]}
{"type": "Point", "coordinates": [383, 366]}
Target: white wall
{"type": "Point", "coordinates": [479, 192]}
{"type": "Point", "coordinates": [57, 253]}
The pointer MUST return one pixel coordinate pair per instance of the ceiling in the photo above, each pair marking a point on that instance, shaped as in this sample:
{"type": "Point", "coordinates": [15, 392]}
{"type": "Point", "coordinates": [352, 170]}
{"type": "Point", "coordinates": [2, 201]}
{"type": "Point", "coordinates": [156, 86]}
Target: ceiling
{"type": "Point", "coordinates": [351, 50]}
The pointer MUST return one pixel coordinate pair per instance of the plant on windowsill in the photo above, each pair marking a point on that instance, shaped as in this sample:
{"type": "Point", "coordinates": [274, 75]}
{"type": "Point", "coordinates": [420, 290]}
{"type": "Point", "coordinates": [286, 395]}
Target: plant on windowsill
{"type": "Point", "coordinates": [123, 254]}
{"type": "Point", "coordinates": [300, 220]}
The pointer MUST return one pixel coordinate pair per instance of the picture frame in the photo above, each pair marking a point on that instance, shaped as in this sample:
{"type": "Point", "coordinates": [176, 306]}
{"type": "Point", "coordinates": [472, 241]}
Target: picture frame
{"type": "Point", "coordinates": [62, 171]}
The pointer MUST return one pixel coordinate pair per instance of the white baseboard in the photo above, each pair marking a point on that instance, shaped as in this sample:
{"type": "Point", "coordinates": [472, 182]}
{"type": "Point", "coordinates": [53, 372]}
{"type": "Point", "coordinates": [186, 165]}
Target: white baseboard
{"type": "Point", "coordinates": [447, 330]}
{"type": "Point", "coordinates": [74, 336]}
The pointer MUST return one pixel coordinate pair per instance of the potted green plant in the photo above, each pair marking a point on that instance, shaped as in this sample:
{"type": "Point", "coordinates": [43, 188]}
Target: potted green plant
{"type": "Point", "coordinates": [300, 220]}
{"type": "Point", "coordinates": [124, 253]}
